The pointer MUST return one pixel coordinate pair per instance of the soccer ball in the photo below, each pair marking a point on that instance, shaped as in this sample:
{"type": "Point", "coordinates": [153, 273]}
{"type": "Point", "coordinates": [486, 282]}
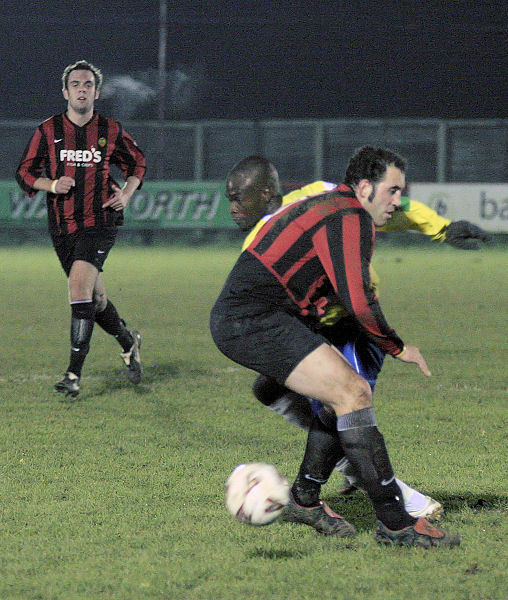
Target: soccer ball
{"type": "Point", "coordinates": [256, 493]}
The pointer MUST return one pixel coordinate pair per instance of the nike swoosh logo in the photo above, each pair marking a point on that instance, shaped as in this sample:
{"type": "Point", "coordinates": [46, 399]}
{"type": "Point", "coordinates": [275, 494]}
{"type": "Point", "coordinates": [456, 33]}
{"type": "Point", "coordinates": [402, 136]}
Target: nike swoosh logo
{"type": "Point", "coordinates": [387, 481]}
{"type": "Point", "coordinates": [101, 251]}
{"type": "Point", "coordinates": [309, 478]}
{"type": "Point", "coordinates": [58, 140]}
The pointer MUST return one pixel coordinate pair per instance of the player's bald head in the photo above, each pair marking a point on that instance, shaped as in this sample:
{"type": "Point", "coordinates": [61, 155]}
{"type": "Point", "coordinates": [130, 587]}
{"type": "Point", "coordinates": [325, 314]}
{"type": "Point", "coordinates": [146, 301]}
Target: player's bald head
{"type": "Point", "coordinates": [257, 170]}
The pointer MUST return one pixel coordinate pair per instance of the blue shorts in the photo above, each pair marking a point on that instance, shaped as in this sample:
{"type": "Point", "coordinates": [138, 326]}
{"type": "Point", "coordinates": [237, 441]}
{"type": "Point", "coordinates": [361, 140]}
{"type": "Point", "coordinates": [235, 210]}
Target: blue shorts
{"type": "Point", "coordinates": [363, 355]}
{"type": "Point", "coordinates": [365, 358]}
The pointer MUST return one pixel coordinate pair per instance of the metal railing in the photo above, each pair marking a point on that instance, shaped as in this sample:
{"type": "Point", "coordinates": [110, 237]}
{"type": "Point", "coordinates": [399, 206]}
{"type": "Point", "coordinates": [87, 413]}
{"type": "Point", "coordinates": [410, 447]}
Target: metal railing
{"type": "Point", "coordinates": [304, 150]}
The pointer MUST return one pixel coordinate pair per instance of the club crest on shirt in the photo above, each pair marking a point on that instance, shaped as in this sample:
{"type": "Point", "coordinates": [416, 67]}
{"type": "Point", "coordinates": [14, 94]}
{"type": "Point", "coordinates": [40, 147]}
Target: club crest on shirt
{"type": "Point", "coordinates": [102, 142]}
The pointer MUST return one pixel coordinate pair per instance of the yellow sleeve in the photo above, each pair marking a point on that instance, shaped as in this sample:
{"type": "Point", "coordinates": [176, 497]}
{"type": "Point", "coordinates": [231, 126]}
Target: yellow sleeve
{"type": "Point", "coordinates": [412, 215]}
{"type": "Point", "coordinates": [418, 216]}
{"type": "Point", "coordinates": [252, 233]}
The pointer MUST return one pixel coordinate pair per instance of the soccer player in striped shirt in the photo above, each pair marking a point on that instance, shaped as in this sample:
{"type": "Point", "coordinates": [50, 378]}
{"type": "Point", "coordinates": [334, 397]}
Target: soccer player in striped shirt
{"type": "Point", "coordinates": [69, 157]}
{"type": "Point", "coordinates": [253, 189]}
{"type": "Point", "coordinates": [309, 255]}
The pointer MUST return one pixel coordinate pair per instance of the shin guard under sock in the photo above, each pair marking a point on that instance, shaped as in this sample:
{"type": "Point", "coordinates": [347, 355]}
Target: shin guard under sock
{"type": "Point", "coordinates": [322, 452]}
{"type": "Point", "coordinates": [110, 321]}
{"type": "Point", "coordinates": [82, 322]}
{"type": "Point", "coordinates": [365, 449]}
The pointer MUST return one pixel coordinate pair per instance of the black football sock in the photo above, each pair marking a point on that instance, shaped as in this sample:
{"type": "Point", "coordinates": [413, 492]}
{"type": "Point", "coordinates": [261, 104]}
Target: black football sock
{"type": "Point", "coordinates": [267, 390]}
{"type": "Point", "coordinates": [82, 322]}
{"type": "Point", "coordinates": [110, 321]}
{"type": "Point", "coordinates": [322, 452]}
{"type": "Point", "coordinates": [365, 449]}
{"type": "Point", "coordinates": [293, 407]}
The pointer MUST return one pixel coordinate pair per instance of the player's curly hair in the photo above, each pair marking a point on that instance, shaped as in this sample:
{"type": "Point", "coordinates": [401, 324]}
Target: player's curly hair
{"type": "Point", "coordinates": [371, 163]}
{"type": "Point", "coordinates": [85, 66]}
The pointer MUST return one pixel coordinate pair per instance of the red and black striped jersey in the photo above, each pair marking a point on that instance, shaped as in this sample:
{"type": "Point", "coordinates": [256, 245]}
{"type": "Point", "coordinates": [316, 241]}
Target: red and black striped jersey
{"type": "Point", "coordinates": [58, 148]}
{"type": "Point", "coordinates": [319, 250]}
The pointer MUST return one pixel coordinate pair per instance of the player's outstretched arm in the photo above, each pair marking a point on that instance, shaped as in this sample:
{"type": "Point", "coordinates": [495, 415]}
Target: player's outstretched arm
{"type": "Point", "coordinates": [411, 354]}
{"type": "Point", "coordinates": [465, 235]}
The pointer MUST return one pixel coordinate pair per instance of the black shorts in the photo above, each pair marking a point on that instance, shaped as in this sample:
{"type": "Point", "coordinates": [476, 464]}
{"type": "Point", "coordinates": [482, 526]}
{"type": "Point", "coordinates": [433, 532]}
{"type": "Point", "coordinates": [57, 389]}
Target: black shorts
{"type": "Point", "coordinates": [272, 342]}
{"type": "Point", "coordinates": [90, 245]}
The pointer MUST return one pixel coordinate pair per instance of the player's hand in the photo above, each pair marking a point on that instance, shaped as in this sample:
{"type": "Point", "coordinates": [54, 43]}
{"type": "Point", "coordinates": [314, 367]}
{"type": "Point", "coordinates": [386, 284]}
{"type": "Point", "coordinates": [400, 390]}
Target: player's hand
{"type": "Point", "coordinates": [119, 199]}
{"type": "Point", "coordinates": [412, 354]}
{"type": "Point", "coordinates": [465, 235]}
{"type": "Point", "coordinates": [64, 184]}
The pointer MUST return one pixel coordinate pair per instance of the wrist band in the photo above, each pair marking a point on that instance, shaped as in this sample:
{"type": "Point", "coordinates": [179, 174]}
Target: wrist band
{"type": "Point", "coordinates": [53, 186]}
{"type": "Point", "coordinates": [400, 353]}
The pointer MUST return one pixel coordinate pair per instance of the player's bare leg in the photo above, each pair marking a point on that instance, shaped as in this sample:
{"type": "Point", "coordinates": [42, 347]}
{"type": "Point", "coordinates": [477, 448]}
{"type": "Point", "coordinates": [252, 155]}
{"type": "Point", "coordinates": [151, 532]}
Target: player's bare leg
{"type": "Point", "coordinates": [325, 375]}
{"type": "Point", "coordinates": [297, 410]}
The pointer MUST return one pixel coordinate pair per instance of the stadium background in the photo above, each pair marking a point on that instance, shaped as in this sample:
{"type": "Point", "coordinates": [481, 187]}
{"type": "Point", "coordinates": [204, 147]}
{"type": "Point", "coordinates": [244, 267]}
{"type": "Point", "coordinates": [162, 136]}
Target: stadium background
{"type": "Point", "coordinates": [200, 87]}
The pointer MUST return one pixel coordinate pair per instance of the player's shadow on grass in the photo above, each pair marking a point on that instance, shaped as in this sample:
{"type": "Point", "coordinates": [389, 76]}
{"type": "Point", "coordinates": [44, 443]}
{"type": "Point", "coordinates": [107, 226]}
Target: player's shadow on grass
{"type": "Point", "coordinates": [476, 502]}
{"type": "Point", "coordinates": [105, 387]}
{"type": "Point", "coordinates": [357, 507]}
{"type": "Point", "coordinates": [106, 381]}
{"type": "Point", "coordinates": [274, 554]}
{"type": "Point", "coordinates": [157, 372]}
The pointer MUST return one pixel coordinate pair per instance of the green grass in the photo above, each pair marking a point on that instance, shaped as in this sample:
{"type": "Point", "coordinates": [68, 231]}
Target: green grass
{"type": "Point", "coordinates": [119, 493]}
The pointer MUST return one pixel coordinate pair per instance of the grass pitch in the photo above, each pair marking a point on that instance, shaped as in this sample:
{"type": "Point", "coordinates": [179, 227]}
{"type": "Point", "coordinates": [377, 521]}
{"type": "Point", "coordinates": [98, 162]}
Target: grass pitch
{"type": "Point", "coordinates": [119, 493]}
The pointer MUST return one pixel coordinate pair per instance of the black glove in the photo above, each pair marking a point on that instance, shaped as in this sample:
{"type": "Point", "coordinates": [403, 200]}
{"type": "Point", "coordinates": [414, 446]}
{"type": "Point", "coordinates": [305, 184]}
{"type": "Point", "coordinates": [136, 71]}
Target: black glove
{"type": "Point", "coordinates": [465, 235]}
